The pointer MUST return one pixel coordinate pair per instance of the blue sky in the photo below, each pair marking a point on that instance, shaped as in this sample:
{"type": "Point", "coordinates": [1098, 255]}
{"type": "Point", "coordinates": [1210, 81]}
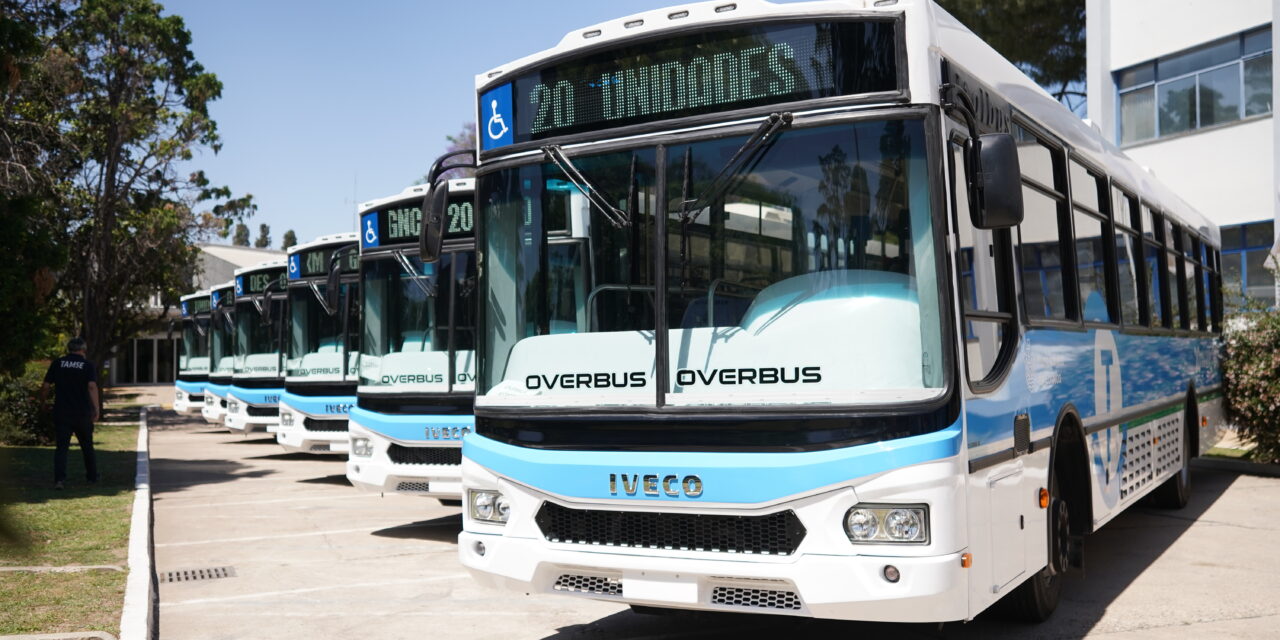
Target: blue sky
{"type": "Point", "coordinates": [327, 104]}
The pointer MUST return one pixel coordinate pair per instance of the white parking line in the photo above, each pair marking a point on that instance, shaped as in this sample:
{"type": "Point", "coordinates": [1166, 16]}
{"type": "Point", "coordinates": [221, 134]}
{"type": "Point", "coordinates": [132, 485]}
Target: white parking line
{"type": "Point", "coordinates": [268, 594]}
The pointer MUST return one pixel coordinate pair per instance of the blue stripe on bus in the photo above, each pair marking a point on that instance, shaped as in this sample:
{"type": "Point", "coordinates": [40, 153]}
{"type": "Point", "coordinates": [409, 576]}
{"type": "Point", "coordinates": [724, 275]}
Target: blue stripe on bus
{"type": "Point", "coordinates": [219, 390]}
{"type": "Point", "coordinates": [409, 428]}
{"type": "Point", "coordinates": [256, 396]}
{"type": "Point", "coordinates": [318, 405]}
{"type": "Point", "coordinates": [190, 387]}
{"type": "Point", "coordinates": [743, 478]}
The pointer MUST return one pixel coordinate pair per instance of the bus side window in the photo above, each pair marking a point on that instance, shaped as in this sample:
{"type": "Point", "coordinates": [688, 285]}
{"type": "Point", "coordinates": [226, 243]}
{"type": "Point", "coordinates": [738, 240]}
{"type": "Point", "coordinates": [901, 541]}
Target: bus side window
{"type": "Point", "coordinates": [1040, 253]}
{"type": "Point", "coordinates": [984, 282]}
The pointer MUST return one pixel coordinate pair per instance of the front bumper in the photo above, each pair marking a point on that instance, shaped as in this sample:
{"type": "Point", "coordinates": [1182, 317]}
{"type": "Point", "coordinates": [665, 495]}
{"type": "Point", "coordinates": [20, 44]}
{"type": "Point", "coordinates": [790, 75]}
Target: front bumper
{"type": "Point", "coordinates": [184, 402]}
{"type": "Point", "coordinates": [296, 437]}
{"type": "Point", "coordinates": [931, 589]}
{"type": "Point", "coordinates": [238, 418]}
{"type": "Point", "coordinates": [379, 474]}
{"type": "Point", "coordinates": [214, 410]}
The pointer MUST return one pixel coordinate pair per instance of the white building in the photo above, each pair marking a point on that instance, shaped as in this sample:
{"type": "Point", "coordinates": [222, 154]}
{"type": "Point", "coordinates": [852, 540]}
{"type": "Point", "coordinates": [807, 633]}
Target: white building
{"type": "Point", "coordinates": [1185, 88]}
{"type": "Point", "coordinates": [153, 358]}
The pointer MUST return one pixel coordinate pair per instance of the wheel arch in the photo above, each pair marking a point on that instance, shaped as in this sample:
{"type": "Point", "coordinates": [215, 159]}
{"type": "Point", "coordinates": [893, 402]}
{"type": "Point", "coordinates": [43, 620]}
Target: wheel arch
{"type": "Point", "coordinates": [1070, 450]}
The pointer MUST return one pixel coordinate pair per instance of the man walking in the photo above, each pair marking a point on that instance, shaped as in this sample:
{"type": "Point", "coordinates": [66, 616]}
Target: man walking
{"type": "Point", "coordinates": [75, 408]}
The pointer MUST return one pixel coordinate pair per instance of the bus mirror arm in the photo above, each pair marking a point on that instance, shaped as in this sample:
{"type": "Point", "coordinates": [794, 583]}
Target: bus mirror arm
{"type": "Point", "coordinates": [169, 336]}
{"type": "Point", "coordinates": [994, 178]}
{"type": "Point", "coordinates": [332, 284]}
{"type": "Point", "coordinates": [431, 233]}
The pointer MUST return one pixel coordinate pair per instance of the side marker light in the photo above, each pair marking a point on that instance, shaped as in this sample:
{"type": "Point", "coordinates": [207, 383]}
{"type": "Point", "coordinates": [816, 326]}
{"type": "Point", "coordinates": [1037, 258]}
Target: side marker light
{"type": "Point", "coordinates": [1044, 498]}
{"type": "Point", "coordinates": [1204, 421]}
{"type": "Point", "coordinates": [966, 560]}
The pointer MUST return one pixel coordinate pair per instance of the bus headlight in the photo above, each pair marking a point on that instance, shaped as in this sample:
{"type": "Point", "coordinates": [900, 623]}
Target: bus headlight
{"type": "Point", "coordinates": [179, 396]}
{"type": "Point", "coordinates": [879, 523]}
{"type": "Point", "coordinates": [286, 418]}
{"type": "Point", "coordinates": [233, 406]}
{"type": "Point", "coordinates": [489, 506]}
{"type": "Point", "coordinates": [208, 400]}
{"type": "Point", "coordinates": [361, 447]}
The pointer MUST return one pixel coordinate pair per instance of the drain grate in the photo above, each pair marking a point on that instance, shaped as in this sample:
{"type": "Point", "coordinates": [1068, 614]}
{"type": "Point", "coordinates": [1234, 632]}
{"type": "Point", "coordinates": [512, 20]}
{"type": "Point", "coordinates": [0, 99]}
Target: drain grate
{"type": "Point", "coordinates": [191, 575]}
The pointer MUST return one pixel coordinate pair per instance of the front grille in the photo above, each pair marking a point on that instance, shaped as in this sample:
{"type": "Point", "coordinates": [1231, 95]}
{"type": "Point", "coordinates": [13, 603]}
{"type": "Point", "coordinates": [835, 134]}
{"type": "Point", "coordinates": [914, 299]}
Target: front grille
{"type": "Point", "coordinates": [313, 424]}
{"type": "Point", "coordinates": [415, 487]}
{"type": "Point", "coordinates": [261, 412]}
{"type": "Point", "coordinates": [594, 585]}
{"type": "Point", "coordinates": [758, 598]}
{"type": "Point", "coordinates": [774, 534]}
{"type": "Point", "coordinates": [424, 455]}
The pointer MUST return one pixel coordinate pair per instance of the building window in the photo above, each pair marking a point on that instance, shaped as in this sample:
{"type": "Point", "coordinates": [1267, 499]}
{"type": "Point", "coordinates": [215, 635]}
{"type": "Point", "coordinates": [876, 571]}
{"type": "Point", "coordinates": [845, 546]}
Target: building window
{"type": "Point", "coordinates": [1244, 264]}
{"type": "Point", "coordinates": [1212, 84]}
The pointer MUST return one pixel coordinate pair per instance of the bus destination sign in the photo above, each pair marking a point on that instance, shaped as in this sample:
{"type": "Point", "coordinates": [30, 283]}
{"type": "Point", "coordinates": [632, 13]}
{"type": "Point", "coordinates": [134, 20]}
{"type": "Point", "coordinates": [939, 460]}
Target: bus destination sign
{"type": "Point", "coordinates": [401, 222]}
{"type": "Point", "coordinates": [315, 262]}
{"type": "Point", "coordinates": [258, 281]}
{"type": "Point", "coordinates": [692, 74]}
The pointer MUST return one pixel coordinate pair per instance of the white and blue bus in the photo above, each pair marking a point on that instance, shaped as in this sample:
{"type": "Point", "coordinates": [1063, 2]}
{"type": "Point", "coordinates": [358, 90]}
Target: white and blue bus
{"type": "Point", "coordinates": [193, 357]}
{"type": "Point", "coordinates": [321, 346]}
{"type": "Point", "coordinates": [417, 351]}
{"type": "Point", "coordinates": [222, 334]}
{"type": "Point", "coordinates": [818, 309]}
{"type": "Point", "coordinates": [253, 400]}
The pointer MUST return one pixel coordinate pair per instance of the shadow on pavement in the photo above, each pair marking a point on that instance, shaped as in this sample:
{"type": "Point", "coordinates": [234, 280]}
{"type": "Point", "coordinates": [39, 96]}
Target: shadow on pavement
{"type": "Point", "coordinates": [442, 529]}
{"type": "Point", "coordinates": [1114, 556]}
{"type": "Point", "coordinates": [258, 440]}
{"type": "Point", "coordinates": [337, 478]}
{"type": "Point", "coordinates": [172, 474]}
{"type": "Point", "coordinates": [294, 455]}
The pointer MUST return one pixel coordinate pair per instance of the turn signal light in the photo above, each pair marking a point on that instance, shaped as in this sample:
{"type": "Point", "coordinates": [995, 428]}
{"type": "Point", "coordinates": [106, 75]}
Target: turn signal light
{"type": "Point", "coordinates": [966, 560]}
{"type": "Point", "coordinates": [1044, 498]}
{"type": "Point", "coordinates": [1204, 421]}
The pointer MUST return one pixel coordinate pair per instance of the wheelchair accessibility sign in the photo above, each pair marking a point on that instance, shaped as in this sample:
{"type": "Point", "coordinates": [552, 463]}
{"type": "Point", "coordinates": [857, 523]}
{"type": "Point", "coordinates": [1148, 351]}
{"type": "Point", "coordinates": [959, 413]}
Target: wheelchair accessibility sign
{"type": "Point", "coordinates": [496, 116]}
{"type": "Point", "coordinates": [295, 266]}
{"type": "Point", "coordinates": [369, 229]}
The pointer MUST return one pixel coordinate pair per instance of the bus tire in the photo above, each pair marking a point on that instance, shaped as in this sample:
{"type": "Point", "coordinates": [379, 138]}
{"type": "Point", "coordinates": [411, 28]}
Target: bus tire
{"type": "Point", "coordinates": [1037, 597]}
{"type": "Point", "coordinates": [1175, 492]}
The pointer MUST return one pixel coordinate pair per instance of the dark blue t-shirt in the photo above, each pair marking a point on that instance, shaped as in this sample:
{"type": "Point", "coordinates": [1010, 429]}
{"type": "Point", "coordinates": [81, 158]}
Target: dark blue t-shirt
{"type": "Point", "coordinates": [70, 376]}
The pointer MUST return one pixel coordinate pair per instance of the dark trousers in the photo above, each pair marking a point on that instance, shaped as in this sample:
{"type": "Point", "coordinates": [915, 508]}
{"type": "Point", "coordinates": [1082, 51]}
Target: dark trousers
{"type": "Point", "coordinates": [82, 427]}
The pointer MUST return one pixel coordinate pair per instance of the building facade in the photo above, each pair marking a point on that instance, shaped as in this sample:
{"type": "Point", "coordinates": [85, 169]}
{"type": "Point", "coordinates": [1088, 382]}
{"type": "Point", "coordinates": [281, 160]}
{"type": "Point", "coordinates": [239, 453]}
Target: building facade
{"type": "Point", "coordinates": [153, 358]}
{"type": "Point", "coordinates": [1185, 88]}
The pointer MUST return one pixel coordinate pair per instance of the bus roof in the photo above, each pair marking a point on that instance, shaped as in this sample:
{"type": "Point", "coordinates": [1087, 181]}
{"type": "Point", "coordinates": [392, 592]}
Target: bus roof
{"type": "Point", "coordinates": [415, 191]}
{"type": "Point", "coordinates": [344, 238]}
{"type": "Point", "coordinates": [230, 284]}
{"type": "Point", "coordinates": [261, 266]}
{"type": "Point", "coordinates": [203, 293]}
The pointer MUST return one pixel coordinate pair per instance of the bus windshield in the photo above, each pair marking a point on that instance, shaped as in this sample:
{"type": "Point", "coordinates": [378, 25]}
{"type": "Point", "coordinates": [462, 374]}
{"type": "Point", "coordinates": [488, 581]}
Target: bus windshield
{"type": "Point", "coordinates": [256, 350]}
{"type": "Point", "coordinates": [808, 278]}
{"type": "Point", "coordinates": [317, 346]}
{"type": "Point", "coordinates": [414, 315]}
{"type": "Point", "coordinates": [222, 342]}
{"type": "Point", "coordinates": [195, 345]}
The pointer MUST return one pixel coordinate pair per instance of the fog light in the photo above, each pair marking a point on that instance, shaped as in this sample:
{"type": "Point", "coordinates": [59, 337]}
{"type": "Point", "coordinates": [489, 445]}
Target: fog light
{"type": "Point", "coordinates": [489, 506]}
{"type": "Point", "coordinates": [361, 447]}
{"type": "Point", "coordinates": [480, 548]}
{"type": "Point", "coordinates": [891, 573]}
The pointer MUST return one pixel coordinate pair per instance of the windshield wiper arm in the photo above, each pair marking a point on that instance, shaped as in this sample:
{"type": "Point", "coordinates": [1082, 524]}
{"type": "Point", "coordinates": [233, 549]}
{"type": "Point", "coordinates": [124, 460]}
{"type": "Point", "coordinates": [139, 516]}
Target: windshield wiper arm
{"type": "Point", "coordinates": [750, 150]}
{"type": "Point", "coordinates": [415, 277]}
{"type": "Point", "coordinates": [617, 217]}
{"type": "Point", "coordinates": [315, 291]}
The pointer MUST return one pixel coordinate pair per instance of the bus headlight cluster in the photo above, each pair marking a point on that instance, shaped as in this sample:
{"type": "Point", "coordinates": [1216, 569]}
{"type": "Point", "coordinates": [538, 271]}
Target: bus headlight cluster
{"type": "Point", "coordinates": [179, 396]}
{"type": "Point", "coordinates": [233, 406]}
{"type": "Point", "coordinates": [286, 418]}
{"type": "Point", "coordinates": [489, 506]}
{"type": "Point", "coordinates": [361, 447]}
{"type": "Point", "coordinates": [871, 523]}
{"type": "Point", "coordinates": [208, 400]}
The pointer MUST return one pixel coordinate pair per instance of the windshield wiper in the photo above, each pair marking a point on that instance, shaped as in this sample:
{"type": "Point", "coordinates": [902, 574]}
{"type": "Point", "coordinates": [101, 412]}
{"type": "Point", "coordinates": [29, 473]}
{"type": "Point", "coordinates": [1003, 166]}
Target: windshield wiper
{"type": "Point", "coordinates": [315, 291]}
{"type": "Point", "coordinates": [617, 217]}
{"type": "Point", "coordinates": [746, 155]}
{"type": "Point", "coordinates": [416, 278]}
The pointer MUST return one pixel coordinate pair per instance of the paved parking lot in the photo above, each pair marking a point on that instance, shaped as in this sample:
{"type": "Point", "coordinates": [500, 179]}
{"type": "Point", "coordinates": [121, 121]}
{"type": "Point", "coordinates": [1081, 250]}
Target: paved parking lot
{"type": "Point", "coordinates": [314, 558]}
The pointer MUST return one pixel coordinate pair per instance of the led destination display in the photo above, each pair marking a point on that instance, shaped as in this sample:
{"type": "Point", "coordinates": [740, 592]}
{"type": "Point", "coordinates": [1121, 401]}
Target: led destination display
{"type": "Point", "coordinates": [316, 261]}
{"type": "Point", "coordinates": [401, 222]}
{"type": "Point", "coordinates": [259, 281]}
{"type": "Point", "coordinates": [701, 73]}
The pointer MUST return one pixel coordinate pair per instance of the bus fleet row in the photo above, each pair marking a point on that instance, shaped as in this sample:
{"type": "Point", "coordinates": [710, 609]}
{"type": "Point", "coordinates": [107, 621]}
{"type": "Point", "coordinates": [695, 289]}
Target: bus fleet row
{"type": "Point", "coordinates": [819, 309]}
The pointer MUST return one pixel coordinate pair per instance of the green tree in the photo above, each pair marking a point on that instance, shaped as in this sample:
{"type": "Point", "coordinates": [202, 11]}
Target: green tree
{"type": "Point", "coordinates": [241, 237]}
{"type": "Point", "coordinates": [1044, 38]}
{"type": "Point", "coordinates": [290, 239]}
{"type": "Point", "coordinates": [464, 139]}
{"type": "Point", "coordinates": [263, 241]}
{"type": "Point", "coordinates": [138, 112]}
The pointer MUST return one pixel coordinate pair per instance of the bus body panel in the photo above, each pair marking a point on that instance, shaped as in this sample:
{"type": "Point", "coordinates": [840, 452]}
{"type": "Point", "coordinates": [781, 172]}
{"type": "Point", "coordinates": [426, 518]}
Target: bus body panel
{"type": "Point", "coordinates": [293, 433]}
{"type": "Point", "coordinates": [416, 437]}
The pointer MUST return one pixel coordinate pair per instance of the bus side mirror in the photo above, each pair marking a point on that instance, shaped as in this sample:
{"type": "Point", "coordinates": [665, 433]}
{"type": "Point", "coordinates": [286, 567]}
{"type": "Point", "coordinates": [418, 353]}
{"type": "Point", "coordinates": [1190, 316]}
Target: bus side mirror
{"type": "Point", "coordinates": [998, 184]}
{"type": "Point", "coordinates": [433, 207]}
{"type": "Point", "coordinates": [331, 285]}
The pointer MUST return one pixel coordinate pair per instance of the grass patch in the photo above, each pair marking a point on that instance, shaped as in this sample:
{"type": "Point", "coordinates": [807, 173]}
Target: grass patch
{"type": "Point", "coordinates": [1227, 452]}
{"type": "Point", "coordinates": [61, 602]}
{"type": "Point", "coordinates": [84, 524]}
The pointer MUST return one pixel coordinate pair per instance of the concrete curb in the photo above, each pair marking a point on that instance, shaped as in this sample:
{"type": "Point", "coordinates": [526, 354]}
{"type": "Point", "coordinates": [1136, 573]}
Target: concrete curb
{"type": "Point", "coordinates": [138, 621]}
{"type": "Point", "coordinates": [1238, 466]}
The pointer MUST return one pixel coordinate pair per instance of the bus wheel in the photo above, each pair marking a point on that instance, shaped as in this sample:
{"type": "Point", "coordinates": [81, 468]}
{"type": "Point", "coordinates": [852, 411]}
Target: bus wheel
{"type": "Point", "coordinates": [1176, 491]}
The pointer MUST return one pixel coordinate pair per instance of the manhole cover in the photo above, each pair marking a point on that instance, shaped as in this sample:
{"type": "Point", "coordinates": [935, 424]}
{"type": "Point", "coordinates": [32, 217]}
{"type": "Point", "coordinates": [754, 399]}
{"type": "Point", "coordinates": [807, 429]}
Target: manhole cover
{"type": "Point", "coordinates": [191, 575]}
